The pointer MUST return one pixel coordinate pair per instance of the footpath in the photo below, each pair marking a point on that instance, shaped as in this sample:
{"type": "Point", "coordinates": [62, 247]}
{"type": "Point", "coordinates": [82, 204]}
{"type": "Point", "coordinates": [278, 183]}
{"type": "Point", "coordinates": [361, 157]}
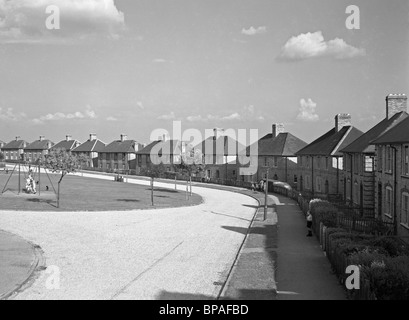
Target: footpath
{"type": "Point", "coordinates": [19, 259]}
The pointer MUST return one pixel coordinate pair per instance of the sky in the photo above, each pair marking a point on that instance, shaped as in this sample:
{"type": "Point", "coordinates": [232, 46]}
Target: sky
{"type": "Point", "coordinates": [133, 66]}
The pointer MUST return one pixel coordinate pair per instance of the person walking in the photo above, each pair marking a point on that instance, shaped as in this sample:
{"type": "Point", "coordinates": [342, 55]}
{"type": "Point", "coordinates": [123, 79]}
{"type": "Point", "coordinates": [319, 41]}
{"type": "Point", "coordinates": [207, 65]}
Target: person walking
{"type": "Point", "coordinates": [309, 224]}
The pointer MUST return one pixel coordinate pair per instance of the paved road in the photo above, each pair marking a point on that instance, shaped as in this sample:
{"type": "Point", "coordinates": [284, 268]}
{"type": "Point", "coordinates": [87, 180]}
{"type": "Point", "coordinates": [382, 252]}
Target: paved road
{"type": "Point", "coordinates": [143, 254]}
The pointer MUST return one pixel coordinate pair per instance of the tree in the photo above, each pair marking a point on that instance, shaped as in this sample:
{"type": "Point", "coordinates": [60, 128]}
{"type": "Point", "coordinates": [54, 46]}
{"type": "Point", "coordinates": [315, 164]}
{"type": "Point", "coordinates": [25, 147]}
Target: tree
{"type": "Point", "coordinates": [1, 156]}
{"type": "Point", "coordinates": [153, 171]}
{"type": "Point", "coordinates": [191, 163]}
{"type": "Point", "coordinates": [61, 161]}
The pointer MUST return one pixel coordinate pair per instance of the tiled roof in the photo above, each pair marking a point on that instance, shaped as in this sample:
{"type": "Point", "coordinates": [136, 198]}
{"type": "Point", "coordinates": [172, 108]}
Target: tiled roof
{"type": "Point", "coordinates": [284, 144]}
{"type": "Point", "coordinates": [90, 146]}
{"type": "Point", "coordinates": [363, 143]}
{"type": "Point", "coordinates": [398, 134]}
{"type": "Point", "coordinates": [39, 145]}
{"type": "Point", "coordinates": [331, 142]}
{"type": "Point", "coordinates": [66, 145]}
{"type": "Point", "coordinates": [168, 147]}
{"type": "Point", "coordinates": [230, 146]}
{"type": "Point", "coordinates": [15, 145]}
{"type": "Point", "coordinates": [118, 146]}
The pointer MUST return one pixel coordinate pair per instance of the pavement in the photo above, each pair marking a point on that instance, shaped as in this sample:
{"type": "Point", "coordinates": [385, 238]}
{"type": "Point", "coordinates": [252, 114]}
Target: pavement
{"type": "Point", "coordinates": [221, 249]}
{"type": "Point", "coordinates": [19, 259]}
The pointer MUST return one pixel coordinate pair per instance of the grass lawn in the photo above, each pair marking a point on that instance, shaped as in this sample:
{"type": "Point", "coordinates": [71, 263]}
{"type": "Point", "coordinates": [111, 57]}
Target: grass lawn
{"type": "Point", "coordinates": [88, 194]}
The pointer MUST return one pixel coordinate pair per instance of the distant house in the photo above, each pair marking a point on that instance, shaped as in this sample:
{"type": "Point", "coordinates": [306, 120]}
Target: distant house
{"type": "Point", "coordinates": [37, 149]}
{"type": "Point", "coordinates": [14, 150]}
{"type": "Point", "coordinates": [277, 153]}
{"type": "Point", "coordinates": [68, 144]}
{"type": "Point", "coordinates": [392, 177]}
{"type": "Point", "coordinates": [119, 155]}
{"type": "Point", "coordinates": [321, 162]}
{"type": "Point", "coordinates": [165, 151]}
{"type": "Point", "coordinates": [220, 153]}
{"type": "Point", "coordinates": [359, 157]}
{"type": "Point", "coordinates": [91, 149]}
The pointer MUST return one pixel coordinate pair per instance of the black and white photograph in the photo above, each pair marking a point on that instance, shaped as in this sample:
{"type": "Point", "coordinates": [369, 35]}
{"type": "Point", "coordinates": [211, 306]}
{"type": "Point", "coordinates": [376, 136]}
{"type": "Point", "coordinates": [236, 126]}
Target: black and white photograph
{"type": "Point", "coordinates": [216, 151]}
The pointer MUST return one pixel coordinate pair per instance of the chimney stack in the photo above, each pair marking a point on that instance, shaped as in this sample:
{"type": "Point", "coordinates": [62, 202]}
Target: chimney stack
{"type": "Point", "coordinates": [395, 103]}
{"type": "Point", "coordinates": [18, 137]}
{"type": "Point", "coordinates": [217, 133]}
{"type": "Point", "coordinates": [68, 138]}
{"type": "Point", "coordinates": [277, 128]}
{"type": "Point", "coordinates": [342, 120]}
{"type": "Point", "coordinates": [42, 138]}
{"type": "Point", "coordinates": [92, 136]}
{"type": "Point", "coordinates": [124, 137]}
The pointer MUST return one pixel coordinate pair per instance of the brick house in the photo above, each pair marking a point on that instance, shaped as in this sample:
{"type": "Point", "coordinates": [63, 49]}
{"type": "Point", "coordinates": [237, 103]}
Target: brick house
{"type": "Point", "coordinates": [90, 148]}
{"type": "Point", "coordinates": [392, 177]}
{"type": "Point", "coordinates": [359, 158]}
{"type": "Point", "coordinates": [170, 151]}
{"type": "Point", "coordinates": [68, 144]}
{"type": "Point", "coordinates": [119, 155]}
{"type": "Point", "coordinates": [320, 163]}
{"type": "Point", "coordinates": [220, 155]}
{"type": "Point", "coordinates": [37, 149]}
{"type": "Point", "coordinates": [14, 150]}
{"type": "Point", "coordinates": [277, 153]}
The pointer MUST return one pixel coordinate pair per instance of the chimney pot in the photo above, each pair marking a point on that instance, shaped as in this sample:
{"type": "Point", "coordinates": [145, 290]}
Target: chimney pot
{"type": "Point", "coordinates": [395, 103]}
{"type": "Point", "coordinates": [123, 137]}
{"type": "Point", "coordinates": [277, 128]}
{"type": "Point", "coordinates": [42, 138]}
{"type": "Point", "coordinates": [92, 136]}
{"type": "Point", "coordinates": [68, 137]}
{"type": "Point", "coordinates": [342, 120]}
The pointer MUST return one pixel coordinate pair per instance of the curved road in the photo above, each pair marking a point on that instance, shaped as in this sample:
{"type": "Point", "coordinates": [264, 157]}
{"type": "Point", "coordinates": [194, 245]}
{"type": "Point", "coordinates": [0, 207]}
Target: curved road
{"type": "Point", "coordinates": [142, 254]}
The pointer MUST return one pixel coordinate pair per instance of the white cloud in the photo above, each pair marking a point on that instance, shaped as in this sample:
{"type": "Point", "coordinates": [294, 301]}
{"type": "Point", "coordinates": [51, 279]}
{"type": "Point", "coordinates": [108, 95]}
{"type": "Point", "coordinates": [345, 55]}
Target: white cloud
{"type": "Point", "coordinates": [9, 115]}
{"type": "Point", "coordinates": [169, 116]}
{"type": "Point", "coordinates": [233, 116]}
{"type": "Point", "coordinates": [88, 114]}
{"type": "Point", "coordinates": [110, 118]}
{"type": "Point", "coordinates": [253, 31]}
{"type": "Point", "coordinates": [307, 111]}
{"type": "Point", "coordinates": [312, 45]}
{"type": "Point", "coordinates": [140, 105]}
{"type": "Point", "coordinates": [159, 60]}
{"type": "Point", "coordinates": [24, 20]}
{"type": "Point", "coordinates": [195, 118]}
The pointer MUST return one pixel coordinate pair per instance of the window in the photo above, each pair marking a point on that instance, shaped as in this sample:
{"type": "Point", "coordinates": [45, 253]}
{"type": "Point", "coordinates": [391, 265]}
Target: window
{"type": "Point", "coordinates": [307, 182]}
{"type": "Point", "coordinates": [389, 159]}
{"type": "Point", "coordinates": [265, 161]}
{"type": "Point", "coordinates": [275, 162]}
{"type": "Point", "coordinates": [234, 172]}
{"type": "Point", "coordinates": [319, 184]}
{"type": "Point", "coordinates": [115, 157]}
{"type": "Point", "coordinates": [404, 215]}
{"type": "Point", "coordinates": [405, 160]}
{"type": "Point", "coordinates": [326, 163]}
{"type": "Point", "coordinates": [295, 179]}
{"type": "Point", "coordinates": [356, 163]}
{"type": "Point", "coordinates": [356, 193]}
{"type": "Point", "coordinates": [389, 202]}
{"type": "Point", "coordinates": [318, 162]}
{"type": "Point", "coordinates": [369, 164]}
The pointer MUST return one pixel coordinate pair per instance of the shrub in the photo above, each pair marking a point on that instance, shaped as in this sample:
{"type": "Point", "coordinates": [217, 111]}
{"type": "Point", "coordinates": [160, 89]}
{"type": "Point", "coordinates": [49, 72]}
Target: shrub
{"type": "Point", "coordinates": [324, 212]}
{"type": "Point", "coordinates": [393, 246]}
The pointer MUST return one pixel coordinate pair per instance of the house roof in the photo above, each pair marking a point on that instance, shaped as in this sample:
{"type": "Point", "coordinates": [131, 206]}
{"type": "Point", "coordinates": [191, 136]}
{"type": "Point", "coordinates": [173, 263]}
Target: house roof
{"type": "Point", "coordinates": [397, 135]}
{"type": "Point", "coordinates": [363, 143]}
{"type": "Point", "coordinates": [331, 142]}
{"type": "Point", "coordinates": [118, 146]}
{"type": "Point", "coordinates": [284, 144]}
{"type": "Point", "coordinates": [66, 145]}
{"type": "Point", "coordinates": [95, 145]}
{"type": "Point", "coordinates": [168, 147]}
{"type": "Point", "coordinates": [227, 145]}
{"type": "Point", "coordinates": [15, 145]}
{"type": "Point", "coordinates": [39, 145]}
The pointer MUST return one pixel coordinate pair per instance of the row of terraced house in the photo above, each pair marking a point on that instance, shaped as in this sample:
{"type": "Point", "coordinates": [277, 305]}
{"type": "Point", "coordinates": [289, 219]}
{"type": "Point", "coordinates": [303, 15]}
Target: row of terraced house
{"type": "Point", "coordinates": [367, 170]}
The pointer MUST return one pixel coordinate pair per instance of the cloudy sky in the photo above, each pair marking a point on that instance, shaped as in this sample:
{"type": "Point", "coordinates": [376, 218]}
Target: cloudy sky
{"type": "Point", "coordinates": [131, 66]}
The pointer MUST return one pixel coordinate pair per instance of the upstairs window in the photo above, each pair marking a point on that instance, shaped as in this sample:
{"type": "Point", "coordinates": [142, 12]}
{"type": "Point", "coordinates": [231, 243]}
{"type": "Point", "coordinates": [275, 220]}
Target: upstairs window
{"type": "Point", "coordinates": [369, 164]}
{"type": "Point", "coordinates": [405, 160]}
{"type": "Point", "coordinates": [404, 215]}
{"type": "Point", "coordinates": [389, 158]}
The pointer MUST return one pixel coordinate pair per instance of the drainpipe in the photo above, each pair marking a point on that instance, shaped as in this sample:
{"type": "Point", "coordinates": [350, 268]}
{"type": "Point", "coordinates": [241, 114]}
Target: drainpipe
{"type": "Point", "coordinates": [286, 169]}
{"type": "Point", "coordinates": [395, 191]}
{"type": "Point", "coordinates": [312, 175]}
{"type": "Point", "coordinates": [352, 179]}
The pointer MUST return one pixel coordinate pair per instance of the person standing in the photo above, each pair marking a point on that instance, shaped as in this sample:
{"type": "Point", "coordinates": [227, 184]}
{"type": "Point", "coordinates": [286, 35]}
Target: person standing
{"type": "Point", "coordinates": [309, 224]}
